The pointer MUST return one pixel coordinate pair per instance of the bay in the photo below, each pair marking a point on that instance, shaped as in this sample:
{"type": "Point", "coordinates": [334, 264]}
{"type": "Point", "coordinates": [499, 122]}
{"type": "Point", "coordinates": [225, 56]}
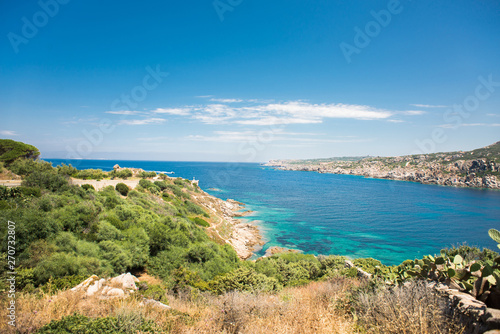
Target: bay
{"type": "Point", "coordinates": [341, 214]}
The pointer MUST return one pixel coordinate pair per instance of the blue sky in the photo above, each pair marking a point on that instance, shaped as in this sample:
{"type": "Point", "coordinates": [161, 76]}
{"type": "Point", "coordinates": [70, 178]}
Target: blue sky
{"type": "Point", "coordinates": [241, 80]}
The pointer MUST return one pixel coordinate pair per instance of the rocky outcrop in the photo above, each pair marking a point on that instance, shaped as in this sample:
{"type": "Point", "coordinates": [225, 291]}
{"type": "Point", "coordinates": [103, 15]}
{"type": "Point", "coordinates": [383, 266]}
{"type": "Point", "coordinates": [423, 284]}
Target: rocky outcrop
{"type": "Point", "coordinates": [244, 236]}
{"type": "Point", "coordinates": [279, 250]}
{"type": "Point", "coordinates": [122, 286]}
{"type": "Point", "coordinates": [480, 173]}
{"type": "Point", "coordinates": [475, 313]}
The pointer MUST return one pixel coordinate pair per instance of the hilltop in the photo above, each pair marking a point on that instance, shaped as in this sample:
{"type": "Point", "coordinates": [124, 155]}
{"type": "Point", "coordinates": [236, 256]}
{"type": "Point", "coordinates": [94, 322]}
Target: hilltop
{"type": "Point", "coordinates": [478, 168]}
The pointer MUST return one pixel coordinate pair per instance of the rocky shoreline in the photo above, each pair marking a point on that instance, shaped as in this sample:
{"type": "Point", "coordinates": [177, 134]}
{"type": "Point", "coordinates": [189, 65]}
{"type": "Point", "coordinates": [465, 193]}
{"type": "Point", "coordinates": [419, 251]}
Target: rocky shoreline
{"type": "Point", "coordinates": [462, 173]}
{"type": "Point", "coordinates": [244, 237]}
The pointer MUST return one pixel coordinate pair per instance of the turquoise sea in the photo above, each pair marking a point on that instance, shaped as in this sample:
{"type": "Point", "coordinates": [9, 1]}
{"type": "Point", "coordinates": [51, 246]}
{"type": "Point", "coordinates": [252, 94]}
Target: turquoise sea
{"type": "Point", "coordinates": [341, 214]}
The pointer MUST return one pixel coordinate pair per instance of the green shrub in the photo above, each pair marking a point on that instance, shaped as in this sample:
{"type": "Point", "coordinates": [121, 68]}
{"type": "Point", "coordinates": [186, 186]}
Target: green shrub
{"type": "Point", "coordinates": [30, 191]}
{"type": "Point", "coordinates": [177, 191]}
{"type": "Point", "coordinates": [145, 175]}
{"type": "Point", "coordinates": [193, 208]}
{"type": "Point", "coordinates": [31, 225]}
{"type": "Point", "coordinates": [145, 183]}
{"type": "Point", "coordinates": [243, 279]}
{"type": "Point", "coordinates": [63, 264]}
{"type": "Point", "coordinates": [161, 184]}
{"type": "Point", "coordinates": [122, 188]}
{"type": "Point", "coordinates": [333, 262]}
{"type": "Point", "coordinates": [62, 283]}
{"type": "Point", "coordinates": [155, 190]}
{"type": "Point", "coordinates": [130, 322]}
{"type": "Point", "coordinates": [90, 174]}
{"type": "Point", "coordinates": [46, 180]}
{"type": "Point", "coordinates": [179, 182]}
{"type": "Point", "coordinates": [153, 291]}
{"type": "Point", "coordinates": [107, 231]}
{"type": "Point", "coordinates": [201, 222]}
{"type": "Point", "coordinates": [119, 259]}
{"type": "Point", "coordinates": [87, 187]}
{"type": "Point", "coordinates": [123, 174]}
{"type": "Point", "coordinates": [27, 166]}
{"type": "Point", "coordinates": [183, 278]}
{"type": "Point", "coordinates": [470, 254]}
{"type": "Point", "coordinates": [66, 170]}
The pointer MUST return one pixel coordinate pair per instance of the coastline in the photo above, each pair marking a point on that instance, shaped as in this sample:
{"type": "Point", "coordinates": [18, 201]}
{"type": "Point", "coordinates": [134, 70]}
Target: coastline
{"type": "Point", "coordinates": [244, 237]}
{"type": "Point", "coordinates": [431, 175]}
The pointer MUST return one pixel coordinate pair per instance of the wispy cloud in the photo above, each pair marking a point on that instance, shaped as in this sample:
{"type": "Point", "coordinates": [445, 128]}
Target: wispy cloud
{"type": "Point", "coordinates": [226, 100]}
{"type": "Point", "coordinates": [295, 112]}
{"type": "Point", "coordinates": [124, 112]}
{"type": "Point", "coordinates": [395, 121]}
{"type": "Point", "coordinates": [428, 106]}
{"type": "Point", "coordinates": [173, 111]}
{"type": "Point", "coordinates": [260, 113]}
{"type": "Point", "coordinates": [142, 121]}
{"type": "Point", "coordinates": [270, 136]}
{"type": "Point", "coordinates": [454, 126]}
{"type": "Point", "coordinates": [8, 133]}
{"type": "Point", "coordinates": [493, 115]}
{"type": "Point", "coordinates": [413, 112]}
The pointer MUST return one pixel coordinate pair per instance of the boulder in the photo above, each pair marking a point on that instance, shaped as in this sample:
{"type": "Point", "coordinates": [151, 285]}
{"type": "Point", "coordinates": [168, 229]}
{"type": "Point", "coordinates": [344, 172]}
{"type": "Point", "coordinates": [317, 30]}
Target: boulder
{"type": "Point", "coordinates": [115, 292]}
{"type": "Point", "coordinates": [492, 318]}
{"type": "Point", "coordinates": [85, 284]}
{"type": "Point", "coordinates": [91, 290]}
{"type": "Point", "coordinates": [125, 281]}
{"type": "Point", "coordinates": [155, 303]}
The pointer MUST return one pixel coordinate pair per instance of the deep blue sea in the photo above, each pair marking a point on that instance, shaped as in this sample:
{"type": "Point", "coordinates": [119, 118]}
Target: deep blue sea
{"type": "Point", "coordinates": [341, 214]}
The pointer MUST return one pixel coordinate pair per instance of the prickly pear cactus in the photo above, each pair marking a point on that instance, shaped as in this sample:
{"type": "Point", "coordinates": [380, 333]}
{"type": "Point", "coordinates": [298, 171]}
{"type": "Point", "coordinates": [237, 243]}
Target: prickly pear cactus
{"type": "Point", "coordinates": [495, 235]}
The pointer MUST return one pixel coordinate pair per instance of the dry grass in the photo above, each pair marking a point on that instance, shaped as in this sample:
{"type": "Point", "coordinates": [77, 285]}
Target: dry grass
{"type": "Point", "coordinates": [319, 307]}
{"type": "Point", "coordinates": [408, 309]}
{"type": "Point", "coordinates": [307, 309]}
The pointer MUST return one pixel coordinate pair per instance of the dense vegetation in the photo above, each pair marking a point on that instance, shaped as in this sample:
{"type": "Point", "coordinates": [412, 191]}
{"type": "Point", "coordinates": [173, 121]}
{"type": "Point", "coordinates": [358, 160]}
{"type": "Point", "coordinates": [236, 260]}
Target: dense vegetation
{"type": "Point", "coordinates": [11, 150]}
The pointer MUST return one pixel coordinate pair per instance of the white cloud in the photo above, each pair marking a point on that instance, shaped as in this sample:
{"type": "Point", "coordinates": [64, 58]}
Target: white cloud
{"type": "Point", "coordinates": [123, 112]}
{"type": "Point", "coordinates": [142, 121]}
{"type": "Point", "coordinates": [295, 112]}
{"type": "Point", "coordinates": [173, 111]}
{"type": "Point", "coordinates": [260, 113]}
{"type": "Point", "coordinates": [272, 120]}
{"type": "Point", "coordinates": [413, 112]}
{"type": "Point", "coordinates": [308, 111]}
{"type": "Point", "coordinates": [8, 133]}
{"type": "Point", "coordinates": [226, 100]}
{"type": "Point", "coordinates": [428, 106]}
{"type": "Point", "coordinates": [395, 121]}
{"type": "Point", "coordinates": [493, 115]}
